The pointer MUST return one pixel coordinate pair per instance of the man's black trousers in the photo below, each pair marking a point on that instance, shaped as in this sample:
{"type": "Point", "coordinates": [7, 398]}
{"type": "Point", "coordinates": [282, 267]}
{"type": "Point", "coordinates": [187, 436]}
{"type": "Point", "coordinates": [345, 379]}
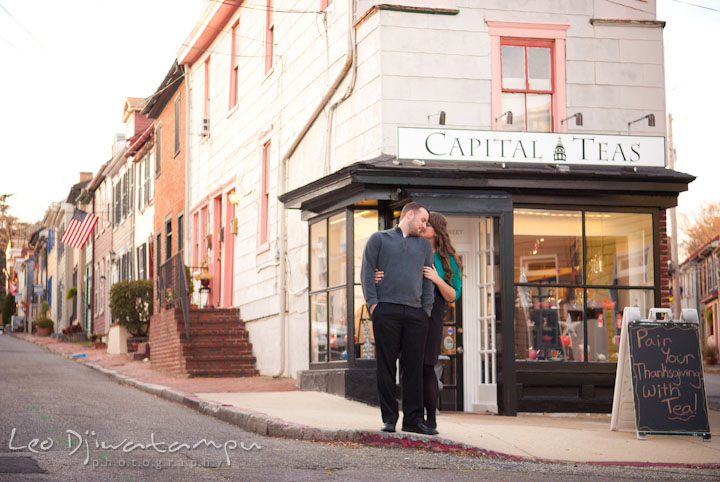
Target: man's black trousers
{"type": "Point", "coordinates": [400, 329]}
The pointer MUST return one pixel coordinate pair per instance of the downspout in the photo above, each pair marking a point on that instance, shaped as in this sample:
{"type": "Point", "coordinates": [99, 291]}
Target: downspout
{"type": "Point", "coordinates": [351, 87]}
{"type": "Point", "coordinates": [282, 185]}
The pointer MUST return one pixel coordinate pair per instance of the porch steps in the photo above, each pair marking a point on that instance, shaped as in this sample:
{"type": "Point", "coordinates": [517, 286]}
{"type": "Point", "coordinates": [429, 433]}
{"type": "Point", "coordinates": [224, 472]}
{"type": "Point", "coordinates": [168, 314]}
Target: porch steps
{"type": "Point", "coordinates": [218, 346]}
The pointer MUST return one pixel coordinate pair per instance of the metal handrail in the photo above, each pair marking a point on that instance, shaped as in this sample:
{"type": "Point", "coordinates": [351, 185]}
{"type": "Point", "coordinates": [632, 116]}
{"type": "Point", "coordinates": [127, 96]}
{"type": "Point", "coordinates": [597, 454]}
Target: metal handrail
{"type": "Point", "coordinates": [172, 288]}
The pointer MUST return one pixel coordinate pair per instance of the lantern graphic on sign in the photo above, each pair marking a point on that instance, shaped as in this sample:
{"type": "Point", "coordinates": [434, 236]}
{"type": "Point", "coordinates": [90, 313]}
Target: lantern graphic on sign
{"type": "Point", "coordinates": [559, 151]}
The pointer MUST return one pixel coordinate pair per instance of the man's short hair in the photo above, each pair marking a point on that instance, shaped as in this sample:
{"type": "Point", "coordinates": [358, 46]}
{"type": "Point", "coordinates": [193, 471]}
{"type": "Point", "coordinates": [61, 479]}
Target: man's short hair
{"type": "Point", "coordinates": [412, 206]}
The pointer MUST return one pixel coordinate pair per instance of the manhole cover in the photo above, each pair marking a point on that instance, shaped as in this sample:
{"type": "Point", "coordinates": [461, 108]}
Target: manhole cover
{"type": "Point", "coordinates": [19, 465]}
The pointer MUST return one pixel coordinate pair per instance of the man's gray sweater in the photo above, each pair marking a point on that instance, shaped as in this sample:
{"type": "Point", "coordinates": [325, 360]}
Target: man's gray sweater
{"type": "Point", "coordinates": [402, 259]}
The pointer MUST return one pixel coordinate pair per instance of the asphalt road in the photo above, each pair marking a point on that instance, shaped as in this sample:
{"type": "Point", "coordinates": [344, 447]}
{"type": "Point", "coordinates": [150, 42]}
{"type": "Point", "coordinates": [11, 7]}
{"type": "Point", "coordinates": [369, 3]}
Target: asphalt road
{"type": "Point", "coordinates": [62, 421]}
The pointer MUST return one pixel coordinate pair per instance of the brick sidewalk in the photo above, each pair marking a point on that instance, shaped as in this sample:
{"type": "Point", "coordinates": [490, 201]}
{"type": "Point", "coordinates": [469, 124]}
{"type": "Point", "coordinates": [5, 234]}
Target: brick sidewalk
{"type": "Point", "coordinates": [143, 371]}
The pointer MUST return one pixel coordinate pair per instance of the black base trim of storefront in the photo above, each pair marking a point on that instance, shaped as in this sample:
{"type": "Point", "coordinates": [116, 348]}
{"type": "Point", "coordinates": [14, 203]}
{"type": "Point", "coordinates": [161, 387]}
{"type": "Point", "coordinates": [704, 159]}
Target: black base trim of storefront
{"type": "Point", "coordinates": [353, 383]}
{"type": "Point", "coordinates": [564, 387]}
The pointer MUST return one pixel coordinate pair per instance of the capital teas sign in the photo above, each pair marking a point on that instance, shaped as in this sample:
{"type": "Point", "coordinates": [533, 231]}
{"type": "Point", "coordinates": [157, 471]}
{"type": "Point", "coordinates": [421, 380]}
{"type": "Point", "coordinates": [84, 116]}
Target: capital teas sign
{"type": "Point", "coordinates": [530, 147]}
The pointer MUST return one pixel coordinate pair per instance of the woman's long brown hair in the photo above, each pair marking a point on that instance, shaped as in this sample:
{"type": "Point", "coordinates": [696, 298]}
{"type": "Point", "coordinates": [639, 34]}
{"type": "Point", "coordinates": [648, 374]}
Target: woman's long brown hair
{"type": "Point", "coordinates": [443, 245]}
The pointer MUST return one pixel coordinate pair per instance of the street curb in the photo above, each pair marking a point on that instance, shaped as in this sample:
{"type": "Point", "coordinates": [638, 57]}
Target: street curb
{"type": "Point", "coordinates": [262, 424]}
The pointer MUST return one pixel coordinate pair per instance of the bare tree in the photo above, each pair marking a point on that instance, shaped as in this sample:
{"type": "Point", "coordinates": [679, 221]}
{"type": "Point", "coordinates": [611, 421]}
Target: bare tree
{"type": "Point", "coordinates": [700, 226]}
{"type": "Point", "coordinates": [7, 222]}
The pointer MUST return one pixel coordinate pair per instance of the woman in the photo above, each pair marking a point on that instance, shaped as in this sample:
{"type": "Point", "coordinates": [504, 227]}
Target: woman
{"type": "Point", "coordinates": [445, 273]}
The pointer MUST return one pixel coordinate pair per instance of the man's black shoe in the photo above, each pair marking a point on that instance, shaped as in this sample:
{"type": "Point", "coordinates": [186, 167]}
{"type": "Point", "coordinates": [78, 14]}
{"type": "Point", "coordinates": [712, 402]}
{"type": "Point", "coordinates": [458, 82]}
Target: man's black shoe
{"type": "Point", "coordinates": [388, 427]}
{"type": "Point", "coordinates": [420, 428]}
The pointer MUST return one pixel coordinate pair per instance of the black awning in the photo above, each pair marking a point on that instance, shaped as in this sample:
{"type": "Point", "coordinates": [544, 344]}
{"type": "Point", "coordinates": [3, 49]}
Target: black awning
{"type": "Point", "coordinates": [386, 178]}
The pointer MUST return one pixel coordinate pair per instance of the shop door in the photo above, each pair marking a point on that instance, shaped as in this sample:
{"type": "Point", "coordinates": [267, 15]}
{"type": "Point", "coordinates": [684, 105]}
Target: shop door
{"type": "Point", "coordinates": [474, 318]}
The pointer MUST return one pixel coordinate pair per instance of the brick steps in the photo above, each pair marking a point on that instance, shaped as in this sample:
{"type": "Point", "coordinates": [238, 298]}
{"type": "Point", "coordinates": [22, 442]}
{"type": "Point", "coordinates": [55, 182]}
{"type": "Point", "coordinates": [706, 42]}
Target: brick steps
{"type": "Point", "coordinates": [219, 344]}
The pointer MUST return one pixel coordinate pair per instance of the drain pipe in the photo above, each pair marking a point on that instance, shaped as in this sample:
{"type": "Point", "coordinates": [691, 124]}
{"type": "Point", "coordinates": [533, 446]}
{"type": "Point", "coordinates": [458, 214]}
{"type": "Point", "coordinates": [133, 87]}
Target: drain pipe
{"type": "Point", "coordinates": [348, 92]}
{"type": "Point", "coordinates": [282, 186]}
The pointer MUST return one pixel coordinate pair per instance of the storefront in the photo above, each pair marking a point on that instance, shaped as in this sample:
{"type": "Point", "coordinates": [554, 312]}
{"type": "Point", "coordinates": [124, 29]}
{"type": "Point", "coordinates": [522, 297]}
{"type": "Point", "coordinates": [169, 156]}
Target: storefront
{"type": "Point", "coordinates": [558, 233]}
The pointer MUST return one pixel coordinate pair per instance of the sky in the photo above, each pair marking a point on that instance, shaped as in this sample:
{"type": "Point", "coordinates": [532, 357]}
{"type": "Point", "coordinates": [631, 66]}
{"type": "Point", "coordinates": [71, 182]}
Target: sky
{"type": "Point", "coordinates": [66, 72]}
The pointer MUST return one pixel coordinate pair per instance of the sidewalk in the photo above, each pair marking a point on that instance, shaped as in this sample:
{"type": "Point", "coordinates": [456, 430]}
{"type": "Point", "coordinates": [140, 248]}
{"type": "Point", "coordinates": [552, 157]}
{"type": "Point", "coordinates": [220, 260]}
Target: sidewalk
{"type": "Point", "coordinates": [275, 407]}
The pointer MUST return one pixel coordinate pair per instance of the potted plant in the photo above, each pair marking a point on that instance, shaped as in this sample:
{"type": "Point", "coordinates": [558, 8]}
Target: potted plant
{"type": "Point", "coordinates": [71, 293]}
{"type": "Point", "coordinates": [203, 274]}
{"type": "Point", "coordinates": [190, 285]}
{"type": "Point", "coordinates": [42, 324]}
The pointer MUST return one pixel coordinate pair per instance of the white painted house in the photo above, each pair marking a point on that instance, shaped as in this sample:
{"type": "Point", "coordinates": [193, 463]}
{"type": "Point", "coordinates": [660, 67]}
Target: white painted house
{"type": "Point", "coordinates": [302, 101]}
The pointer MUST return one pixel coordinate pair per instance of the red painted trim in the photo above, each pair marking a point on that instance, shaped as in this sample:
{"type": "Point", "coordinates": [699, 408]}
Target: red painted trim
{"type": "Point", "coordinates": [228, 269]}
{"type": "Point", "coordinates": [195, 239]}
{"type": "Point", "coordinates": [204, 201]}
{"type": "Point", "coordinates": [269, 36]}
{"type": "Point", "coordinates": [264, 195]}
{"type": "Point", "coordinates": [265, 133]}
{"type": "Point", "coordinates": [217, 247]}
{"type": "Point", "coordinates": [206, 31]}
{"type": "Point", "coordinates": [206, 88]}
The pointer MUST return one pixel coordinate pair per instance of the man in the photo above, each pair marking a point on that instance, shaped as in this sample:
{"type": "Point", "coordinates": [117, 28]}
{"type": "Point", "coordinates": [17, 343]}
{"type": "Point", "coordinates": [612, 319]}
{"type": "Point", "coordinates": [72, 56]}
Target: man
{"type": "Point", "coordinates": [400, 306]}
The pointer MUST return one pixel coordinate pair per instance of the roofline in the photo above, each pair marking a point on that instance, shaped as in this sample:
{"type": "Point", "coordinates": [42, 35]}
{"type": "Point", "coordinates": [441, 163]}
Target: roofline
{"type": "Point", "coordinates": [215, 16]}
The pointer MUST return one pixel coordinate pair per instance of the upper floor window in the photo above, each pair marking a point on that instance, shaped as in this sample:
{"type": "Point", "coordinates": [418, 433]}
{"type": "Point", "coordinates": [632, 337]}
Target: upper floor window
{"type": "Point", "coordinates": [528, 75]}
{"type": "Point", "coordinates": [158, 147]}
{"type": "Point", "coordinates": [264, 195]}
{"type": "Point", "coordinates": [206, 87]}
{"type": "Point", "coordinates": [527, 84]}
{"type": "Point", "coordinates": [234, 70]}
{"type": "Point", "coordinates": [176, 108]}
{"type": "Point", "coordinates": [269, 36]}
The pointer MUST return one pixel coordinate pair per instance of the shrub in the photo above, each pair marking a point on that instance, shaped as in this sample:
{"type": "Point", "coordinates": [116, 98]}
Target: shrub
{"type": "Point", "coordinates": [131, 303]}
{"type": "Point", "coordinates": [9, 308]}
{"type": "Point", "coordinates": [71, 293]}
{"type": "Point", "coordinates": [72, 329]}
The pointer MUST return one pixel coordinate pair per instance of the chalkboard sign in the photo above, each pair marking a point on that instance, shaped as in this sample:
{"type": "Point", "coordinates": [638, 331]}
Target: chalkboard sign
{"type": "Point", "coordinates": [667, 378]}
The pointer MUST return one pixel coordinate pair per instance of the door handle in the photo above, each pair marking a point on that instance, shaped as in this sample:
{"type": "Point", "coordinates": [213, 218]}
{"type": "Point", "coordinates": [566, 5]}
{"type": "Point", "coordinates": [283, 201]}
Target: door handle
{"type": "Point", "coordinates": [460, 350]}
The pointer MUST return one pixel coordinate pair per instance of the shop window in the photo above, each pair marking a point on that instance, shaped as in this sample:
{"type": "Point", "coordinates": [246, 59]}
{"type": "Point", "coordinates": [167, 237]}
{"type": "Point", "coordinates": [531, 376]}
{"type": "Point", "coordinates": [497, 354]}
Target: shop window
{"type": "Point", "coordinates": [365, 222]}
{"type": "Point", "coordinates": [528, 75]}
{"type": "Point", "coordinates": [575, 272]}
{"type": "Point", "coordinates": [328, 289]}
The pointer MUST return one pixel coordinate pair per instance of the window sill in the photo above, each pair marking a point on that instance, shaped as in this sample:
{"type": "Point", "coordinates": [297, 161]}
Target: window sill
{"type": "Point", "coordinates": [232, 110]}
{"type": "Point", "coordinates": [263, 248]}
{"type": "Point", "coordinates": [268, 73]}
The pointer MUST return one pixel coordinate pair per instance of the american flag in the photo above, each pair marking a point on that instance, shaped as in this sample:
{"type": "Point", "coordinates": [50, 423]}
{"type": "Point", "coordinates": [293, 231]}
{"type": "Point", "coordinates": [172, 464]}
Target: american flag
{"type": "Point", "coordinates": [79, 229]}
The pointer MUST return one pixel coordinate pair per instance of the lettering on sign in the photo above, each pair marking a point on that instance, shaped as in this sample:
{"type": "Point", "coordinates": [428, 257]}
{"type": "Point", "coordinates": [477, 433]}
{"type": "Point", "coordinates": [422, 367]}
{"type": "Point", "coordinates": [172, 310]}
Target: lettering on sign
{"type": "Point", "coordinates": [530, 147]}
{"type": "Point", "coordinates": [667, 377]}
